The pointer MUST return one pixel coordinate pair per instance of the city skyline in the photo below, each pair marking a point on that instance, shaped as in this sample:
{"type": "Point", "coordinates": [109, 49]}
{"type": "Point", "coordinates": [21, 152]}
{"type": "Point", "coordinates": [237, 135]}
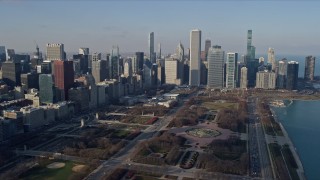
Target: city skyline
{"type": "Point", "coordinates": [87, 24]}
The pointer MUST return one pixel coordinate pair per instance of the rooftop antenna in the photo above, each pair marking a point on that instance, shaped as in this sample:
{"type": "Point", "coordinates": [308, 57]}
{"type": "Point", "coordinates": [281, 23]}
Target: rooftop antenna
{"type": "Point", "coordinates": [37, 47]}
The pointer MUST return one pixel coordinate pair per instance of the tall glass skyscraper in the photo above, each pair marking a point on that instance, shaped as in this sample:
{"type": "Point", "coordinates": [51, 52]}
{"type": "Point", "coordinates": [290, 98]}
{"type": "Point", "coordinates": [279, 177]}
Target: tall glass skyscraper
{"type": "Point", "coordinates": [282, 73]}
{"type": "Point", "coordinates": [271, 58]}
{"type": "Point", "coordinates": [251, 63]}
{"type": "Point", "coordinates": [215, 67]}
{"type": "Point", "coordinates": [47, 89]}
{"type": "Point", "coordinates": [207, 45]}
{"type": "Point", "coordinates": [151, 47]}
{"type": "Point", "coordinates": [231, 68]}
{"type": "Point", "coordinates": [292, 75]}
{"type": "Point", "coordinates": [195, 48]}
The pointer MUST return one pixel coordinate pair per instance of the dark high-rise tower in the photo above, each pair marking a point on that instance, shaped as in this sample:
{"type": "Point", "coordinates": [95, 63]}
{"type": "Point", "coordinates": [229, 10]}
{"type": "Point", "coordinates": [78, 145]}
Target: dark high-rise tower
{"type": "Point", "coordinates": [63, 77]}
{"type": "Point", "coordinates": [207, 45]}
{"type": "Point", "coordinates": [309, 68]}
{"type": "Point", "coordinates": [292, 75]}
{"type": "Point", "coordinates": [152, 57]}
{"type": "Point", "coordinates": [47, 89]}
{"type": "Point", "coordinates": [140, 61]}
{"type": "Point", "coordinates": [251, 63]}
{"type": "Point", "coordinates": [11, 73]}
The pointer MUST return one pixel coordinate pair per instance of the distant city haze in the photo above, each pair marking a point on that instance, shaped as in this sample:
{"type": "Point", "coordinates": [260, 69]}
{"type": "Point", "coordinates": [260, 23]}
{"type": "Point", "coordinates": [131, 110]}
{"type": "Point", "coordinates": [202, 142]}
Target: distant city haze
{"type": "Point", "coordinates": [290, 27]}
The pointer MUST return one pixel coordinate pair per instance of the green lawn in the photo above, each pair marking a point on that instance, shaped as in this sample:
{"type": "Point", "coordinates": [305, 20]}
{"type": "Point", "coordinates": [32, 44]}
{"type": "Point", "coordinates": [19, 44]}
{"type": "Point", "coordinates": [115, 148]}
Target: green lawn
{"type": "Point", "coordinates": [42, 172]}
{"type": "Point", "coordinates": [218, 105]}
{"type": "Point", "coordinates": [120, 134]}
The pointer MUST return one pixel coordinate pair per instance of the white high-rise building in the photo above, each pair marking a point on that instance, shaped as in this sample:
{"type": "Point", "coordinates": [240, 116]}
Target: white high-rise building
{"type": "Point", "coordinates": [195, 49]}
{"type": "Point", "coordinates": [127, 68]}
{"type": "Point", "coordinates": [215, 67]}
{"type": "Point", "coordinates": [266, 80]}
{"type": "Point", "coordinates": [10, 54]}
{"type": "Point", "coordinates": [171, 69]}
{"type": "Point", "coordinates": [261, 60]}
{"type": "Point", "coordinates": [271, 58]}
{"type": "Point", "coordinates": [180, 52]}
{"type": "Point", "coordinates": [151, 47]}
{"type": "Point", "coordinates": [232, 61]}
{"type": "Point", "coordinates": [55, 52]}
{"type": "Point", "coordinates": [244, 78]}
{"type": "Point", "coordinates": [84, 51]}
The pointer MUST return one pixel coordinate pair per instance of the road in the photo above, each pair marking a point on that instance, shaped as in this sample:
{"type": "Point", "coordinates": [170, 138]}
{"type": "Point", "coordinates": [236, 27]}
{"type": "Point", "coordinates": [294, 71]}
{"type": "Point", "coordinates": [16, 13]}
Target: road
{"type": "Point", "coordinates": [260, 165]}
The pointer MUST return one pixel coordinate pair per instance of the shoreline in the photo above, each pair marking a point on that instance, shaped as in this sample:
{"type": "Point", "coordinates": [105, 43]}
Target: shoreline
{"type": "Point", "coordinates": [295, 154]}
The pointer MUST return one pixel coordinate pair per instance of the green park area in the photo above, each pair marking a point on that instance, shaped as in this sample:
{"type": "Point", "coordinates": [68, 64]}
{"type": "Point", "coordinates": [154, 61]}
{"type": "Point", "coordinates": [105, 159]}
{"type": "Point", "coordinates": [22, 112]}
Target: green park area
{"type": "Point", "coordinates": [51, 170]}
{"type": "Point", "coordinates": [217, 105]}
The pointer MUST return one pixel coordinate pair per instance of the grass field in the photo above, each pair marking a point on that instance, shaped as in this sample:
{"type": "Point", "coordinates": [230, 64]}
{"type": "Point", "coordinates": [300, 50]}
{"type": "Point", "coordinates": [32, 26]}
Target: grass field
{"type": "Point", "coordinates": [41, 172]}
{"type": "Point", "coordinates": [218, 105]}
{"type": "Point", "coordinates": [120, 134]}
{"type": "Point", "coordinates": [138, 120]}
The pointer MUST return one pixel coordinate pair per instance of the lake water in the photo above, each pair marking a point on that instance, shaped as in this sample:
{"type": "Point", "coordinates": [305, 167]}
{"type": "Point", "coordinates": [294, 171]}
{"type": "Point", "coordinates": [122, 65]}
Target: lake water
{"type": "Point", "coordinates": [302, 122]}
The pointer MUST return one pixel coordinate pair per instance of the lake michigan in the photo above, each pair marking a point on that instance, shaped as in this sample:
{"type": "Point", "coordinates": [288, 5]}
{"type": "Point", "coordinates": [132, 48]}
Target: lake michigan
{"type": "Point", "coordinates": [302, 122]}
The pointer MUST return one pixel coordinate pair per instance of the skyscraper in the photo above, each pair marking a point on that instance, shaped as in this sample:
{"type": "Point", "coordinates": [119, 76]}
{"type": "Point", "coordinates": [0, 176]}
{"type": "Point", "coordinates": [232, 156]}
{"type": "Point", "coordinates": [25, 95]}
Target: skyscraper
{"type": "Point", "coordinates": [63, 77]}
{"type": "Point", "coordinates": [172, 71]}
{"type": "Point", "coordinates": [55, 52]}
{"type": "Point", "coordinates": [127, 68]}
{"type": "Point", "coordinates": [249, 42]}
{"type": "Point", "coordinates": [251, 63]}
{"type": "Point", "coordinates": [139, 62]}
{"type": "Point", "coordinates": [207, 45]}
{"type": "Point", "coordinates": [244, 79]}
{"type": "Point", "coordinates": [2, 53]}
{"type": "Point", "coordinates": [309, 68]}
{"type": "Point", "coordinates": [195, 48]}
{"type": "Point", "coordinates": [11, 73]}
{"type": "Point", "coordinates": [282, 73]}
{"type": "Point", "coordinates": [84, 51]}
{"type": "Point", "coordinates": [271, 59]}
{"type": "Point", "coordinates": [159, 50]}
{"type": "Point", "coordinates": [115, 63]}
{"type": "Point", "coordinates": [231, 68]}
{"type": "Point", "coordinates": [215, 67]}
{"type": "Point", "coordinates": [99, 70]}
{"type": "Point", "coordinates": [180, 57]}
{"type": "Point", "coordinates": [266, 80]}
{"type": "Point", "coordinates": [151, 47]}
{"type": "Point", "coordinates": [292, 75]}
{"type": "Point", "coordinates": [46, 88]}
{"type": "Point", "coordinates": [10, 54]}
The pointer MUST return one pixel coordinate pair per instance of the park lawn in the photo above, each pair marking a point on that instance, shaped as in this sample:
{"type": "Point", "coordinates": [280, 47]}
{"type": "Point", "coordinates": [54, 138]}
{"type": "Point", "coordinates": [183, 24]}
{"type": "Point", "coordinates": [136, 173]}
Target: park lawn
{"type": "Point", "coordinates": [140, 120]}
{"type": "Point", "coordinates": [42, 172]}
{"type": "Point", "coordinates": [218, 105]}
{"type": "Point", "coordinates": [120, 134]}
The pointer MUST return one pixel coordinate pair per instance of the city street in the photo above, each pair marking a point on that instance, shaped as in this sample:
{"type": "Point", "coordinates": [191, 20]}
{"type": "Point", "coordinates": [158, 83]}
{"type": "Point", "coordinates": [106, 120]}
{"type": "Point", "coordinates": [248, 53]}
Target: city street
{"type": "Point", "coordinates": [260, 165]}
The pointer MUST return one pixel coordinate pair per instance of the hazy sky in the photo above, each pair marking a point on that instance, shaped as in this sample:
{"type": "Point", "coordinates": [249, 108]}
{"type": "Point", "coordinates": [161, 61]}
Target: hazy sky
{"type": "Point", "coordinates": [291, 27]}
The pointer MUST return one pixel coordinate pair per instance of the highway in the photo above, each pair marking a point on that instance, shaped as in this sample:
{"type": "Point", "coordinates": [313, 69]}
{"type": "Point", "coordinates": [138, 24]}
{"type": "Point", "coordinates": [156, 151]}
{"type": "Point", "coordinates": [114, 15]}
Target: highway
{"type": "Point", "coordinates": [260, 165]}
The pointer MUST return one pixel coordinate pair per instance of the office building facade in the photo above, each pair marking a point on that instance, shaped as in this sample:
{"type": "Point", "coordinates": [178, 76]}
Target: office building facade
{"type": "Point", "coordinates": [11, 73]}
{"type": "Point", "coordinates": [266, 80]}
{"type": "Point", "coordinates": [215, 67]}
{"type": "Point", "coordinates": [231, 70]}
{"type": "Point", "coordinates": [292, 75]}
{"type": "Point", "coordinates": [63, 78]}
{"type": "Point", "coordinates": [244, 78]}
{"type": "Point", "coordinates": [55, 52]}
{"type": "Point", "coordinates": [309, 68]}
{"type": "Point", "coordinates": [195, 48]}
{"type": "Point", "coordinates": [47, 91]}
